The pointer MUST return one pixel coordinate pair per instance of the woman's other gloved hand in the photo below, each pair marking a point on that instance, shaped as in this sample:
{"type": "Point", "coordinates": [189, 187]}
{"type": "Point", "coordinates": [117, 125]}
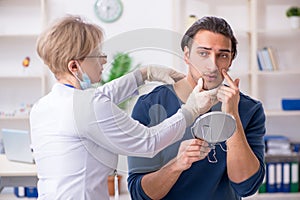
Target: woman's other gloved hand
{"type": "Point", "coordinates": [162, 74]}
{"type": "Point", "coordinates": [199, 102]}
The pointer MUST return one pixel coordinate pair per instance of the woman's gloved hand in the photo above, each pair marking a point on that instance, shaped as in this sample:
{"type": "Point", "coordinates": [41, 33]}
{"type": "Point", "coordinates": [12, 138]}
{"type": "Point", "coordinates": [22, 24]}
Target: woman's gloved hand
{"type": "Point", "coordinates": [199, 102]}
{"type": "Point", "coordinates": [162, 74]}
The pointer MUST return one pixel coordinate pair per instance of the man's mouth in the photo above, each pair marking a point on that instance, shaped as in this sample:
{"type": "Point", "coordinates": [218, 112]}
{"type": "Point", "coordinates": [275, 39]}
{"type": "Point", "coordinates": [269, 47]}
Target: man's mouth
{"type": "Point", "coordinates": [210, 77]}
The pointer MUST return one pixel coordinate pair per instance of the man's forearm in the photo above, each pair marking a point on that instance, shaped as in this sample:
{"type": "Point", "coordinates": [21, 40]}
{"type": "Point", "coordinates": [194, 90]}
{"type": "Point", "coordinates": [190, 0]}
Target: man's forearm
{"type": "Point", "coordinates": [241, 161]}
{"type": "Point", "coordinates": [157, 184]}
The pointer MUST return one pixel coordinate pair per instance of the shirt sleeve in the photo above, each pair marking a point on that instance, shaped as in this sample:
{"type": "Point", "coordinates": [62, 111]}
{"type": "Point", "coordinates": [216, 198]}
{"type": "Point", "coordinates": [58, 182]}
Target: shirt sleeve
{"type": "Point", "coordinates": [115, 130]}
{"type": "Point", "coordinates": [122, 88]}
{"type": "Point", "coordinates": [142, 113]}
{"type": "Point", "coordinates": [255, 132]}
{"type": "Point", "coordinates": [138, 166]}
{"type": "Point", "coordinates": [134, 187]}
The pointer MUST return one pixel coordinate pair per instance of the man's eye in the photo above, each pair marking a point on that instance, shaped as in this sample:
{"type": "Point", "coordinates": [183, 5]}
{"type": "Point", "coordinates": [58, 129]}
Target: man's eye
{"type": "Point", "coordinates": [225, 56]}
{"type": "Point", "coordinates": [203, 54]}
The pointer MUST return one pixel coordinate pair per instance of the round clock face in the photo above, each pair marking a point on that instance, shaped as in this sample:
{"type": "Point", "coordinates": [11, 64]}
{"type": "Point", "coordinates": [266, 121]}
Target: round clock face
{"type": "Point", "coordinates": [108, 10]}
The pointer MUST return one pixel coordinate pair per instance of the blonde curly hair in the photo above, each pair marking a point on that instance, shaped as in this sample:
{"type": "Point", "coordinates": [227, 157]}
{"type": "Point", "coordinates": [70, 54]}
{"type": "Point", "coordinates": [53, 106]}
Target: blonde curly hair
{"type": "Point", "coordinates": [69, 38]}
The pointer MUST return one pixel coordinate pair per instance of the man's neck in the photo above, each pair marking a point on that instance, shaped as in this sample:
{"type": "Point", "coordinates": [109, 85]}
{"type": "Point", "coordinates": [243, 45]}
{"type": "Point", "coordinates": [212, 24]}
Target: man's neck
{"type": "Point", "coordinates": [183, 88]}
{"type": "Point", "coordinates": [191, 80]}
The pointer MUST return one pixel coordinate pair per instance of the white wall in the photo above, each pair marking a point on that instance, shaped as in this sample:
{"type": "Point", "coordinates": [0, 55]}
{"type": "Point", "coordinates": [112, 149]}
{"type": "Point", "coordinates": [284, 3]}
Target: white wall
{"type": "Point", "coordinates": [137, 14]}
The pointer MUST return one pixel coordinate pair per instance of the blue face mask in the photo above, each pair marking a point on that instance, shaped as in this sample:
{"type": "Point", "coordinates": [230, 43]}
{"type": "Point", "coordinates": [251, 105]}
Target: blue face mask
{"type": "Point", "coordinates": [86, 81]}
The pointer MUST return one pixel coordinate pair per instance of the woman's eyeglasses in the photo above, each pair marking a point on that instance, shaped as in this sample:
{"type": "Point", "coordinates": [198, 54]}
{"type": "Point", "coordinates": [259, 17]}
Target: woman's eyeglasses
{"type": "Point", "coordinates": [102, 56]}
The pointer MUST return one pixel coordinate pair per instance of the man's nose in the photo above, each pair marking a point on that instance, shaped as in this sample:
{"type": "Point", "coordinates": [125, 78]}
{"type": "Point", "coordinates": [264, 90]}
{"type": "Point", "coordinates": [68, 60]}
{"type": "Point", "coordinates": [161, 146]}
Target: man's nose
{"type": "Point", "coordinates": [212, 63]}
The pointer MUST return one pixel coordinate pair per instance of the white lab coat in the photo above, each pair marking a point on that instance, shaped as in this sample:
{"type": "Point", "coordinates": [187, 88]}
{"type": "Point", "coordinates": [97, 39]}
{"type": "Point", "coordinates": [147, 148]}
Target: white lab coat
{"type": "Point", "coordinates": [78, 134]}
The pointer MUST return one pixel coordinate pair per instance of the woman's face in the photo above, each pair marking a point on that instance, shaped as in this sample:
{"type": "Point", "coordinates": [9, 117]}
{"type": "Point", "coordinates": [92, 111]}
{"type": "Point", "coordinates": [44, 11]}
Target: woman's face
{"type": "Point", "coordinates": [209, 54]}
{"type": "Point", "coordinates": [93, 66]}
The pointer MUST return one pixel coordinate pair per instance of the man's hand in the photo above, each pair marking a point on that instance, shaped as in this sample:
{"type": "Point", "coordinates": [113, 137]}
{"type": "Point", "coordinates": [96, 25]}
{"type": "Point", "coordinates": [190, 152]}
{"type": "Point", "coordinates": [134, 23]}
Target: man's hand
{"type": "Point", "coordinates": [229, 96]}
{"type": "Point", "coordinates": [191, 151]}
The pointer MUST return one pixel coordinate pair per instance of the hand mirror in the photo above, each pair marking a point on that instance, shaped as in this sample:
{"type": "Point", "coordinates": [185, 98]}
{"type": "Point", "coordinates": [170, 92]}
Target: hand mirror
{"type": "Point", "coordinates": [214, 127]}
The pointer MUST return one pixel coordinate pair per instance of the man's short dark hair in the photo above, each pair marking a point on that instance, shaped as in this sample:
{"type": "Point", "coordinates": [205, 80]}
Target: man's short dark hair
{"type": "Point", "coordinates": [213, 24]}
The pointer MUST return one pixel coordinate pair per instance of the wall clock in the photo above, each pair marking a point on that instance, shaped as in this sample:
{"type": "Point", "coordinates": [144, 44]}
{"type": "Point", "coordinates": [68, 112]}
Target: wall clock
{"type": "Point", "coordinates": [108, 10]}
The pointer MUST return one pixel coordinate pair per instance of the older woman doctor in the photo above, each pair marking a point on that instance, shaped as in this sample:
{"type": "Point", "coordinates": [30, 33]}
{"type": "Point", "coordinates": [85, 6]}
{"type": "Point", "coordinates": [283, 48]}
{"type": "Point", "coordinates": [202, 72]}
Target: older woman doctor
{"type": "Point", "coordinates": [78, 131]}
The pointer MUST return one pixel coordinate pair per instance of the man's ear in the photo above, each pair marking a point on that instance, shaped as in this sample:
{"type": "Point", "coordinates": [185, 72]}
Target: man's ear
{"type": "Point", "coordinates": [186, 55]}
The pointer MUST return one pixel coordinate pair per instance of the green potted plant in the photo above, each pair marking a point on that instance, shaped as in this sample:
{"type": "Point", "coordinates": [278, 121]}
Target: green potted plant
{"type": "Point", "coordinates": [293, 13]}
{"type": "Point", "coordinates": [121, 65]}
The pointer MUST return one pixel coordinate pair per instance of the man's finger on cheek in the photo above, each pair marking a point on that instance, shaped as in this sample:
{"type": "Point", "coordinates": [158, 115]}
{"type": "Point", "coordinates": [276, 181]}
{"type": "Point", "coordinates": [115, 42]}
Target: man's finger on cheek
{"type": "Point", "coordinates": [228, 78]}
{"type": "Point", "coordinates": [232, 83]}
{"type": "Point", "coordinates": [237, 82]}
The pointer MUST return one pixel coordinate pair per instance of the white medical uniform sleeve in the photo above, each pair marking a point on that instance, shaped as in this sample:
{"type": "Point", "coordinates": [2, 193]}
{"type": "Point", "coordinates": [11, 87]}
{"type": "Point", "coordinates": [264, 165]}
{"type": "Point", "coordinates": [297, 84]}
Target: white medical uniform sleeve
{"type": "Point", "coordinates": [121, 134]}
{"type": "Point", "coordinates": [122, 88]}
